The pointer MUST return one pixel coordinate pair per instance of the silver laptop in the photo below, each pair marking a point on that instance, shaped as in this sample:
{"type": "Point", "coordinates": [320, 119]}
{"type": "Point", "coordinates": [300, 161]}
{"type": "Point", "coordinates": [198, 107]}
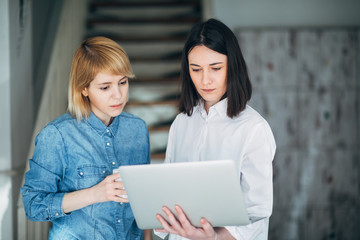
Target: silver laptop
{"type": "Point", "coordinates": [208, 189]}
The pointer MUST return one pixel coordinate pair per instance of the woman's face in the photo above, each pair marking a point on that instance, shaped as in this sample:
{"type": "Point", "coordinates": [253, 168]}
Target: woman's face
{"type": "Point", "coordinates": [208, 72]}
{"type": "Point", "coordinates": [108, 95]}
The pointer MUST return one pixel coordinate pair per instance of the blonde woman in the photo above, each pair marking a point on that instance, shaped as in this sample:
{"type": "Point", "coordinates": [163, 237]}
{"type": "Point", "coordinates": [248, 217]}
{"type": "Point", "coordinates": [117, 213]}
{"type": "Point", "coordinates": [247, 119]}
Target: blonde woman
{"type": "Point", "coordinates": [71, 181]}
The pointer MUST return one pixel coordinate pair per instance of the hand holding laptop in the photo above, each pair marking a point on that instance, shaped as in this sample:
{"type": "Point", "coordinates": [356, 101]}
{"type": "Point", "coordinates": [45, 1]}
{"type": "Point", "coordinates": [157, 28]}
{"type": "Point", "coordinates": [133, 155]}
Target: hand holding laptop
{"type": "Point", "coordinates": [124, 195]}
{"type": "Point", "coordinates": [181, 225]}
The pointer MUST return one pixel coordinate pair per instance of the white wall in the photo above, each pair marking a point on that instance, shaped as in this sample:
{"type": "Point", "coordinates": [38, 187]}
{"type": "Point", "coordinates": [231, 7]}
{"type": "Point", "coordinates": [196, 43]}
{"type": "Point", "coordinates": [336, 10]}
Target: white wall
{"type": "Point", "coordinates": [279, 13]}
{"type": "Point", "coordinates": [16, 107]}
{"type": "Point", "coordinates": [53, 102]}
{"type": "Point", "coordinates": [21, 91]}
{"type": "Point", "coordinates": [5, 146]}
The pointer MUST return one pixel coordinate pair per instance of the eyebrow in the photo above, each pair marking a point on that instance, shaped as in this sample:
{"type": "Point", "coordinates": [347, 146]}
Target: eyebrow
{"type": "Point", "coordinates": [105, 83]}
{"type": "Point", "coordinates": [211, 64]}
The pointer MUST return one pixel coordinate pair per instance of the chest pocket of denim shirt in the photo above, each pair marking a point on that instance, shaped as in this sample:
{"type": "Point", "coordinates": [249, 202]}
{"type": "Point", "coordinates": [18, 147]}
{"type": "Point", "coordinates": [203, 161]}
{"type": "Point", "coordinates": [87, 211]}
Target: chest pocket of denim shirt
{"type": "Point", "coordinates": [90, 175]}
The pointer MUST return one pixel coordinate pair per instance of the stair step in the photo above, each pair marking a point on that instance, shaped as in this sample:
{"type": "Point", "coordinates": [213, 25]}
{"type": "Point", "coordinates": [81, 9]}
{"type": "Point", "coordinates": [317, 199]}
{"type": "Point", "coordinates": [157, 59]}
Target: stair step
{"type": "Point", "coordinates": [142, 21]}
{"type": "Point", "coordinates": [148, 49]}
{"type": "Point", "coordinates": [175, 56]}
{"type": "Point", "coordinates": [155, 69]}
{"type": "Point", "coordinates": [158, 141]}
{"type": "Point", "coordinates": [152, 91]}
{"type": "Point", "coordinates": [142, 4]}
{"type": "Point", "coordinates": [163, 80]}
{"type": "Point", "coordinates": [157, 158]}
{"type": "Point", "coordinates": [154, 115]}
{"type": "Point", "coordinates": [159, 129]}
{"type": "Point", "coordinates": [141, 32]}
{"type": "Point", "coordinates": [149, 12]}
{"type": "Point", "coordinates": [153, 103]}
{"type": "Point", "coordinates": [139, 39]}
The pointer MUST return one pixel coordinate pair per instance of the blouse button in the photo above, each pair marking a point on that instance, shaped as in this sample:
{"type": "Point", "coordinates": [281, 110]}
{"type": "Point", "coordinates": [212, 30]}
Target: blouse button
{"type": "Point", "coordinates": [103, 171]}
{"type": "Point", "coordinates": [108, 144]}
{"type": "Point", "coordinates": [56, 214]}
{"type": "Point", "coordinates": [118, 221]}
{"type": "Point", "coordinates": [113, 163]}
{"type": "Point", "coordinates": [81, 173]}
{"type": "Point", "coordinates": [107, 130]}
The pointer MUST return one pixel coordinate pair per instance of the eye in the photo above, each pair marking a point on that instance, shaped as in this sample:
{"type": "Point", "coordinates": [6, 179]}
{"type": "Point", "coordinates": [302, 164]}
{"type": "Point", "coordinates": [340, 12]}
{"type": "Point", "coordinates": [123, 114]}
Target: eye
{"type": "Point", "coordinates": [195, 69]}
{"type": "Point", "coordinates": [123, 82]}
{"type": "Point", "coordinates": [216, 68]}
{"type": "Point", "coordinates": [104, 88]}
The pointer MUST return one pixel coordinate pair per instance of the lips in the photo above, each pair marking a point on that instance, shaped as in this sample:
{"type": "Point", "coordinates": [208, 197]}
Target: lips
{"type": "Point", "coordinates": [116, 106]}
{"type": "Point", "coordinates": [208, 90]}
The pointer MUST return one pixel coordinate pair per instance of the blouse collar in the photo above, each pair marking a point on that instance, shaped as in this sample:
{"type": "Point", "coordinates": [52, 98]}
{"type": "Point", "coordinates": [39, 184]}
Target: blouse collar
{"type": "Point", "coordinates": [100, 127]}
{"type": "Point", "coordinates": [220, 109]}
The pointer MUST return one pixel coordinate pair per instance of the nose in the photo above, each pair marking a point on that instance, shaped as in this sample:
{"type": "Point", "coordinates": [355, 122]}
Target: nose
{"type": "Point", "coordinates": [205, 78]}
{"type": "Point", "coordinates": [116, 92]}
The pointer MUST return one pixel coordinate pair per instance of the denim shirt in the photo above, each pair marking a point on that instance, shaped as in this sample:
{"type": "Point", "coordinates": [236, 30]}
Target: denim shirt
{"type": "Point", "coordinates": [71, 155]}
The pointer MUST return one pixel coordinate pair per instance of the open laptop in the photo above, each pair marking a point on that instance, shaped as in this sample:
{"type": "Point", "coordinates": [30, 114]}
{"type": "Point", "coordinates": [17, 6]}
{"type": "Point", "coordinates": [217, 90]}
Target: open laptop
{"type": "Point", "coordinates": [208, 189]}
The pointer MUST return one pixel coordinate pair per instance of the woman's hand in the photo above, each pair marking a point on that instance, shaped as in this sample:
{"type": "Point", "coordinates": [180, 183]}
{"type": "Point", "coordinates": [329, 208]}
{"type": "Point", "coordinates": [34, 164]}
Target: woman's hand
{"type": "Point", "coordinates": [106, 190]}
{"type": "Point", "coordinates": [182, 226]}
{"type": "Point", "coordinates": [110, 189]}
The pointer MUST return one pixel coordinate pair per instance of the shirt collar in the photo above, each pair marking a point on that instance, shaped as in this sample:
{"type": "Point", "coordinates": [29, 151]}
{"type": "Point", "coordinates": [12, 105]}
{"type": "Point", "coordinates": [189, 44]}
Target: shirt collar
{"type": "Point", "coordinates": [220, 109]}
{"type": "Point", "coordinates": [100, 127]}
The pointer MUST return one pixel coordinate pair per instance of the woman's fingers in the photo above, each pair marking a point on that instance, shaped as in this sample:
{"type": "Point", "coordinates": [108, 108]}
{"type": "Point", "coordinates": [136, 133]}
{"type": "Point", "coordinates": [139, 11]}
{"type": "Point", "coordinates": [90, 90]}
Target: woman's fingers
{"type": "Point", "coordinates": [164, 223]}
{"type": "Point", "coordinates": [185, 223]}
{"type": "Point", "coordinates": [114, 188]}
{"type": "Point", "coordinates": [207, 227]}
{"type": "Point", "coordinates": [173, 221]}
{"type": "Point", "coordinates": [181, 225]}
{"type": "Point", "coordinates": [113, 177]}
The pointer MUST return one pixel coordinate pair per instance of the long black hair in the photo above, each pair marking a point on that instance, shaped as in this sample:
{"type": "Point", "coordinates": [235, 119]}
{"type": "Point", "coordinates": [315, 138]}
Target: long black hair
{"type": "Point", "coordinates": [216, 36]}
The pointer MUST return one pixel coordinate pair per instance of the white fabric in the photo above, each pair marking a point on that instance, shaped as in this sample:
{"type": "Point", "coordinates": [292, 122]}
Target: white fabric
{"type": "Point", "coordinates": [248, 140]}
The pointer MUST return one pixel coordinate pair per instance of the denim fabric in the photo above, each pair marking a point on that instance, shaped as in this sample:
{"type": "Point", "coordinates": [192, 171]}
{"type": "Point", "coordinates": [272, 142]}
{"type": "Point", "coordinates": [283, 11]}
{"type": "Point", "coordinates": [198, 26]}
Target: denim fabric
{"type": "Point", "coordinates": [70, 156]}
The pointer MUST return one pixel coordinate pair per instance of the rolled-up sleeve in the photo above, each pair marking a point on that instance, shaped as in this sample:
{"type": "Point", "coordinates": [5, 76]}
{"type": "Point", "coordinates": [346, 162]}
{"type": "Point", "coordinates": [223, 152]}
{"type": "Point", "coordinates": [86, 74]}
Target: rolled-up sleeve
{"type": "Point", "coordinates": [257, 183]}
{"type": "Point", "coordinates": [40, 193]}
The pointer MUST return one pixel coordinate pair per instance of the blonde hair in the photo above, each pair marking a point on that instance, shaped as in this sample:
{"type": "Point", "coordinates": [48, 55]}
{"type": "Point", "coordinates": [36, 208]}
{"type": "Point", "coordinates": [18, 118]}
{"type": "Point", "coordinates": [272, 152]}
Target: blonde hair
{"type": "Point", "coordinates": [94, 55]}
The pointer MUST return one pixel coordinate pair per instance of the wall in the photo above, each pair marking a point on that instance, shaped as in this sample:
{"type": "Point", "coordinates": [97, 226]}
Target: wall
{"type": "Point", "coordinates": [17, 63]}
{"type": "Point", "coordinates": [303, 58]}
{"type": "Point", "coordinates": [281, 13]}
{"type": "Point", "coordinates": [53, 102]}
{"type": "Point", "coordinates": [306, 85]}
{"type": "Point", "coordinates": [5, 145]}
{"type": "Point", "coordinates": [16, 108]}
{"type": "Point", "coordinates": [46, 15]}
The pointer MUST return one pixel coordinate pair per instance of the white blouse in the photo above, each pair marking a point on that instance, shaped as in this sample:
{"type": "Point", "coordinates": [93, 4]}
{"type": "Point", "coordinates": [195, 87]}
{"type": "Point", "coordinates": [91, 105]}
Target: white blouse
{"type": "Point", "coordinates": [247, 139]}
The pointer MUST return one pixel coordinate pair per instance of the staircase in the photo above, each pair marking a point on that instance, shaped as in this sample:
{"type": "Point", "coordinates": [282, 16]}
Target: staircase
{"type": "Point", "coordinates": [153, 34]}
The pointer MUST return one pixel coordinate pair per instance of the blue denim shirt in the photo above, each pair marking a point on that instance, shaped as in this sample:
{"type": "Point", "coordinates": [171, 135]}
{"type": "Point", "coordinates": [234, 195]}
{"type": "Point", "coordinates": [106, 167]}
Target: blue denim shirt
{"type": "Point", "coordinates": [71, 155]}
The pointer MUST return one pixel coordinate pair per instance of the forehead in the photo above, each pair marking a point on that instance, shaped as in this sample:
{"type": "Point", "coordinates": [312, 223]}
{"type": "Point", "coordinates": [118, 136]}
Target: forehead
{"type": "Point", "coordinates": [106, 77]}
{"type": "Point", "coordinates": [202, 55]}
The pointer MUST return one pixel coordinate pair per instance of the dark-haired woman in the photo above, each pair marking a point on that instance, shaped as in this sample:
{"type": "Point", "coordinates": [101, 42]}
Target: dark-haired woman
{"type": "Point", "coordinates": [216, 123]}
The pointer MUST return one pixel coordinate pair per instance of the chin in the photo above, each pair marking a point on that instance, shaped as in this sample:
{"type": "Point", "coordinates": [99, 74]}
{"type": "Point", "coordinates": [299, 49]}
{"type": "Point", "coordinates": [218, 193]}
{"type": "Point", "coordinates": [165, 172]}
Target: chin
{"type": "Point", "coordinates": [117, 113]}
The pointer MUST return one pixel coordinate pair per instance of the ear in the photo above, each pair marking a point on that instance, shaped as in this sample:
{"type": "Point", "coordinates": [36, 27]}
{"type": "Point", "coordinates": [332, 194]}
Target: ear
{"type": "Point", "coordinates": [85, 92]}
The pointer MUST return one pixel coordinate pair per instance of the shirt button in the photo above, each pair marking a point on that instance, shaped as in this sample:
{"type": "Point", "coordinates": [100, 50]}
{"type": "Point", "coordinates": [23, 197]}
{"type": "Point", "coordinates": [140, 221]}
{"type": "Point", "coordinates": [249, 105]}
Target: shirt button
{"type": "Point", "coordinates": [119, 221]}
{"type": "Point", "coordinates": [81, 173]}
{"type": "Point", "coordinates": [103, 171]}
{"type": "Point", "coordinates": [56, 214]}
{"type": "Point", "coordinates": [113, 163]}
{"type": "Point", "coordinates": [107, 130]}
{"type": "Point", "coordinates": [108, 144]}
